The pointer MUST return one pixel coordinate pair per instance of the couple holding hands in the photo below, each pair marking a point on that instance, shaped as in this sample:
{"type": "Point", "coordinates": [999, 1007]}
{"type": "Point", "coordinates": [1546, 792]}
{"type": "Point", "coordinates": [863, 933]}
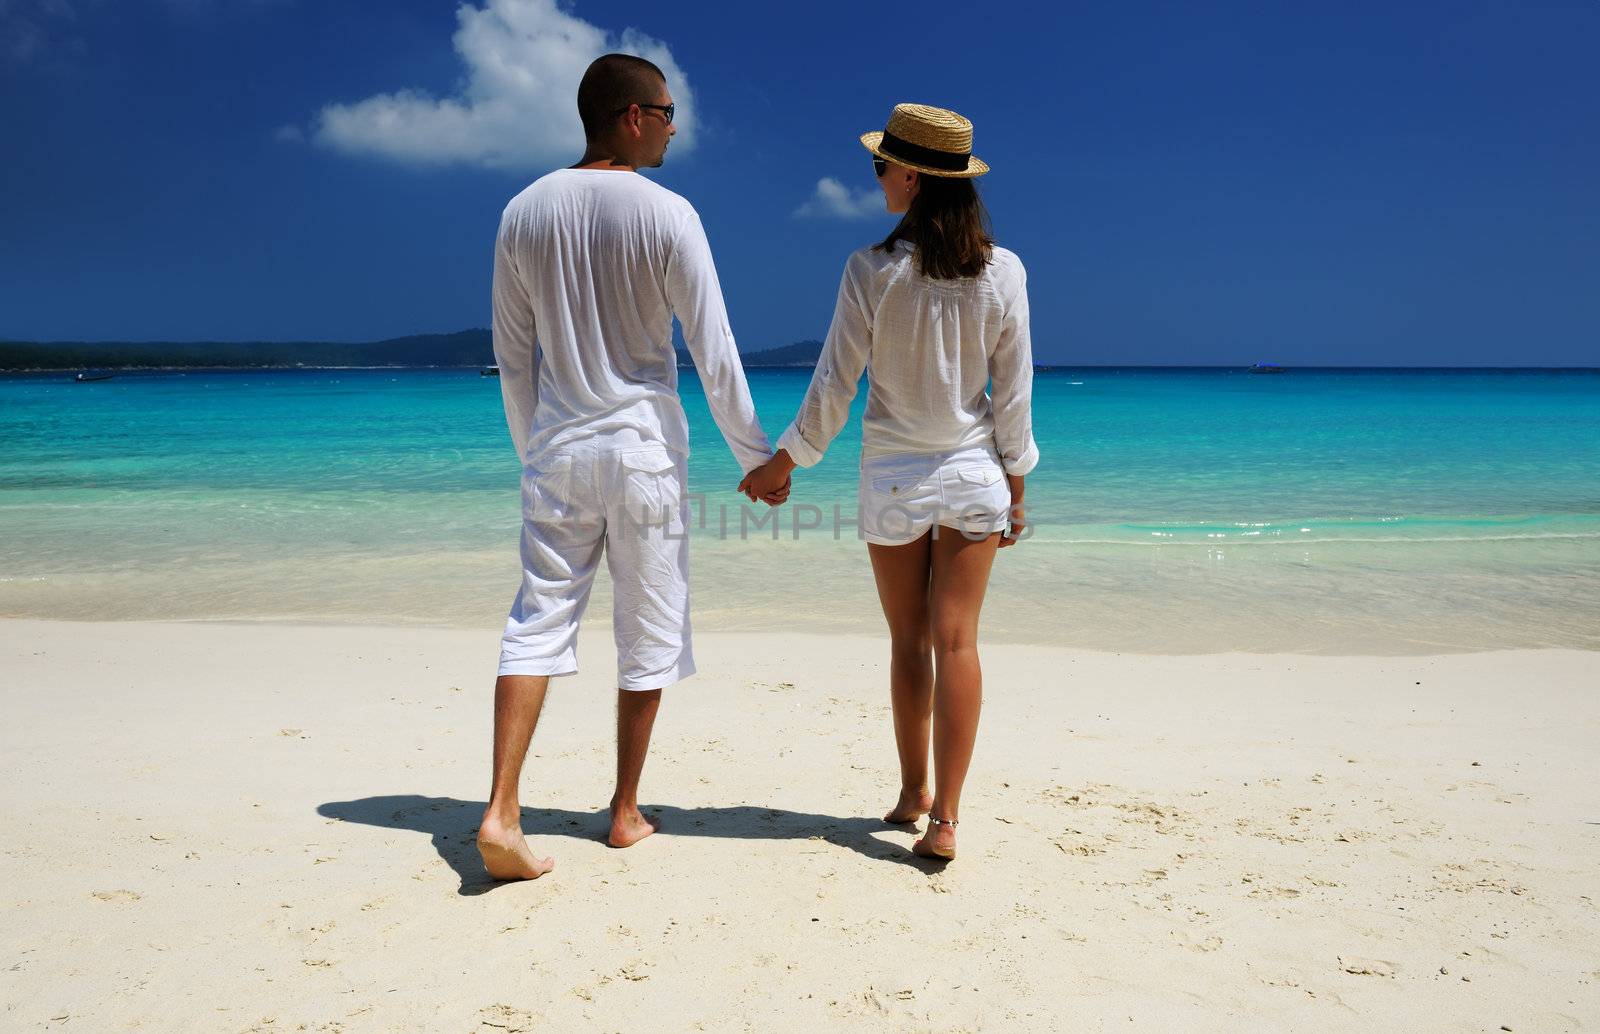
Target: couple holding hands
{"type": "Point", "coordinates": [592, 263]}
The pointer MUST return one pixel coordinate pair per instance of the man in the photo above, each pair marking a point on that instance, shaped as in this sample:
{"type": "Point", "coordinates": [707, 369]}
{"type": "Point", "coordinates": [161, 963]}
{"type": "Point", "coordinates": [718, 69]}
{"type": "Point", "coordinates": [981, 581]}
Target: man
{"type": "Point", "coordinates": [591, 264]}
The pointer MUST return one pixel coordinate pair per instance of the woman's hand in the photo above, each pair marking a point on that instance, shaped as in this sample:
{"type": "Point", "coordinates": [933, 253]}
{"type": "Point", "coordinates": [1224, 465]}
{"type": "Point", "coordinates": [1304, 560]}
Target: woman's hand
{"type": "Point", "coordinates": [769, 482]}
{"type": "Point", "coordinates": [1019, 524]}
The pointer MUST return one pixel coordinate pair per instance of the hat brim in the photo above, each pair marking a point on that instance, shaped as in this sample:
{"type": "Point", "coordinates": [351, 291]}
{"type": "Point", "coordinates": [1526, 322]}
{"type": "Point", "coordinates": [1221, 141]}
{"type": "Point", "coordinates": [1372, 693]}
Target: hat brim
{"type": "Point", "coordinates": [975, 165]}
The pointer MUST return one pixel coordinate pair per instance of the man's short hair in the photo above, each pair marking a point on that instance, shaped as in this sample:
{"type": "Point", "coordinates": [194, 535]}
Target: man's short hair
{"type": "Point", "coordinates": [615, 81]}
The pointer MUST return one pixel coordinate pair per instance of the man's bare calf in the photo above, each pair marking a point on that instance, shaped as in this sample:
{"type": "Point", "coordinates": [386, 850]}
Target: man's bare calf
{"type": "Point", "coordinates": [518, 699]}
{"type": "Point", "coordinates": [636, 717]}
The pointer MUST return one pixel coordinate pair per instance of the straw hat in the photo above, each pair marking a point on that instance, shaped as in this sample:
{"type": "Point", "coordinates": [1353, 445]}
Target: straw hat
{"type": "Point", "coordinates": [930, 140]}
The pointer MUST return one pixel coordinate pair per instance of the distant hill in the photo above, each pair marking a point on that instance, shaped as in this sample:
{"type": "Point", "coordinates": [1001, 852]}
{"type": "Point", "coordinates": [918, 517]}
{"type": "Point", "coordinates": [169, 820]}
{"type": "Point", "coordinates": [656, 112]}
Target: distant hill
{"type": "Point", "coordinates": [463, 348]}
{"type": "Point", "coordinates": [801, 353]}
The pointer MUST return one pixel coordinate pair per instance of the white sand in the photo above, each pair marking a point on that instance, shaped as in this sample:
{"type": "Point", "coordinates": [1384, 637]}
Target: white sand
{"type": "Point", "coordinates": [256, 827]}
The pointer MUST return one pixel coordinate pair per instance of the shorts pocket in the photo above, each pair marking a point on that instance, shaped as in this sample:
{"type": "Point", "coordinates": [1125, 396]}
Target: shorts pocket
{"type": "Point", "coordinates": [547, 487]}
{"type": "Point", "coordinates": [976, 497]}
{"type": "Point", "coordinates": [650, 484]}
{"type": "Point", "coordinates": [651, 459]}
{"type": "Point", "coordinates": [979, 475]}
{"type": "Point", "coordinates": [895, 486]}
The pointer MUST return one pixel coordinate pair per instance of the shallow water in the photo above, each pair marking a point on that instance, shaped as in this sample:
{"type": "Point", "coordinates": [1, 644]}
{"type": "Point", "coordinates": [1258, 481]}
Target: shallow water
{"type": "Point", "coordinates": [1174, 510]}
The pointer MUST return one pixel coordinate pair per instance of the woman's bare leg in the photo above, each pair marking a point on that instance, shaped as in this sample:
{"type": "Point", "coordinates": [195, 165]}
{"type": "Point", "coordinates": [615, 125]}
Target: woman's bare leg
{"type": "Point", "coordinates": [902, 576]}
{"type": "Point", "coordinates": [958, 580]}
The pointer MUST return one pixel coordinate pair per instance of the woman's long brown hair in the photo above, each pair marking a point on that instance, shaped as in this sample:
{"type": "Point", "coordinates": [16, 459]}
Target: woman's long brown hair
{"type": "Point", "coordinates": [948, 226]}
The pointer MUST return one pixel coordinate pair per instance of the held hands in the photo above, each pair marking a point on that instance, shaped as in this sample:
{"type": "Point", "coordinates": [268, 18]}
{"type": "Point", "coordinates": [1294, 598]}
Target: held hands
{"type": "Point", "coordinates": [769, 482]}
{"type": "Point", "coordinates": [1018, 523]}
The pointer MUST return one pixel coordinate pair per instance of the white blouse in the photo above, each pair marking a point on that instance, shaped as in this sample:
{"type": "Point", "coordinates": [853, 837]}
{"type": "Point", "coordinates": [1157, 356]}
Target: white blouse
{"type": "Point", "coordinates": [930, 348]}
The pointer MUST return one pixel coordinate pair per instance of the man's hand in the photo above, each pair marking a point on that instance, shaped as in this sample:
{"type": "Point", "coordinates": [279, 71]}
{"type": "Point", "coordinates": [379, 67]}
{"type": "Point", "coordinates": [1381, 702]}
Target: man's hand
{"type": "Point", "coordinates": [769, 482]}
{"type": "Point", "coordinates": [1018, 515]}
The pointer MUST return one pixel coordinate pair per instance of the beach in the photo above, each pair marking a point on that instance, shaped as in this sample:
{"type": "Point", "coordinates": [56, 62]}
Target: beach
{"type": "Point", "coordinates": [268, 826]}
{"type": "Point", "coordinates": [1289, 722]}
{"type": "Point", "coordinates": [347, 354]}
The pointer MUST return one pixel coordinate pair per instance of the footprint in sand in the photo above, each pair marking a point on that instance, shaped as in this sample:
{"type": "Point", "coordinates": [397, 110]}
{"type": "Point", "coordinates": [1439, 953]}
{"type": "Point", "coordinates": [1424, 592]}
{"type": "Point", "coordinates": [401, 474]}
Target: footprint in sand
{"type": "Point", "coordinates": [1367, 967]}
{"type": "Point", "coordinates": [500, 1017]}
{"type": "Point", "coordinates": [115, 895]}
{"type": "Point", "coordinates": [1210, 944]}
{"type": "Point", "coordinates": [1261, 890]}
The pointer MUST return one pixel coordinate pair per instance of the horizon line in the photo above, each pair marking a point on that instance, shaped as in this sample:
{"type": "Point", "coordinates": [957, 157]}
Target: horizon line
{"type": "Point", "coordinates": [1038, 367]}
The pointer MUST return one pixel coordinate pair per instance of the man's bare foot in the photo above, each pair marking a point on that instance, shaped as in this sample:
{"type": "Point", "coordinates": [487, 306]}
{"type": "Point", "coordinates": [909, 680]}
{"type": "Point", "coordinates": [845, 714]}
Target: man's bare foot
{"type": "Point", "coordinates": [913, 804]}
{"type": "Point", "coordinates": [506, 854]}
{"type": "Point", "coordinates": [938, 842]}
{"type": "Point", "coordinates": [628, 826]}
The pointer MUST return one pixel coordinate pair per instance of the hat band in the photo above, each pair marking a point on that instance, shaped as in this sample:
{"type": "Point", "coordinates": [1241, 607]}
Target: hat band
{"type": "Point", "coordinates": [894, 147]}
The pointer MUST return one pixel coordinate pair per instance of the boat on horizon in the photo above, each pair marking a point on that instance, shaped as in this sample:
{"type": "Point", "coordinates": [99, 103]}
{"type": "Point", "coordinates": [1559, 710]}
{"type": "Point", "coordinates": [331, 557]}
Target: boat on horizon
{"type": "Point", "coordinates": [1268, 368]}
{"type": "Point", "coordinates": [93, 375]}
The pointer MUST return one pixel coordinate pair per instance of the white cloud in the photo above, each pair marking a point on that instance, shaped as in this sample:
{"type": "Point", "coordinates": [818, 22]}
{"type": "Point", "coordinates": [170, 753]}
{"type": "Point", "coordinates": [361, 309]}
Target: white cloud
{"type": "Point", "coordinates": [833, 200]}
{"type": "Point", "coordinates": [517, 108]}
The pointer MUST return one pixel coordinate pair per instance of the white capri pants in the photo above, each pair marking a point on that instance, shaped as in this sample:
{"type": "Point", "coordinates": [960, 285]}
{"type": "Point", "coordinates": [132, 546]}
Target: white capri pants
{"type": "Point", "coordinates": [629, 500]}
{"type": "Point", "coordinates": [904, 495]}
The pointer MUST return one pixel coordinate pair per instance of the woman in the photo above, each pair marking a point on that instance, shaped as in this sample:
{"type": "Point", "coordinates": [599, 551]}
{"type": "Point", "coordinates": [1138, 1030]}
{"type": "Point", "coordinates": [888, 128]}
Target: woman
{"type": "Point", "coordinates": [936, 312]}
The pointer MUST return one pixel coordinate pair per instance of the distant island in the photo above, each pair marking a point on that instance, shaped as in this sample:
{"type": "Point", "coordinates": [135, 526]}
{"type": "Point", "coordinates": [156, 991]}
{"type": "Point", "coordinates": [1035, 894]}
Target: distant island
{"type": "Point", "coordinates": [463, 348]}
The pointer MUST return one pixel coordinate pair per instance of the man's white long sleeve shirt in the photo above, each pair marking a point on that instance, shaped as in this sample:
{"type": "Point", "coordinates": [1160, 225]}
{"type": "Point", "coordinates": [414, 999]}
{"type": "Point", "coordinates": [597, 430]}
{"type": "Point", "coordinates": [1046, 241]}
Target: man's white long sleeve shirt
{"type": "Point", "coordinates": [590, 267]}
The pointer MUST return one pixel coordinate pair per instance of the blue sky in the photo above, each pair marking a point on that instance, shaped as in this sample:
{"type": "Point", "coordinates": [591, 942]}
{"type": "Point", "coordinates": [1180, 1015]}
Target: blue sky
{"type": "Point", "coordinates": [1365, 183]}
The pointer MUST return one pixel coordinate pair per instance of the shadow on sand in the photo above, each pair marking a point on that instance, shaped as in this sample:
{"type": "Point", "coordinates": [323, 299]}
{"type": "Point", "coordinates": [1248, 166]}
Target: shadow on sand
{"type": "Point", "coordinates": [453, 825]}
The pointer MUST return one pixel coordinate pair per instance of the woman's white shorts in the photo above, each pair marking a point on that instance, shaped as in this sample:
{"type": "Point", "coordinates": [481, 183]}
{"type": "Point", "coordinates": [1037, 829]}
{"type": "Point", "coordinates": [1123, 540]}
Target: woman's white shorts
{"type": "Point", "coordinates": [904, 495]}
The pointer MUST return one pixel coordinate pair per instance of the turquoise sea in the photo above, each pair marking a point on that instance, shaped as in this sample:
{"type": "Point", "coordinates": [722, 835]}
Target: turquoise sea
{"type": "Point", "coordinates": [1175, 510]}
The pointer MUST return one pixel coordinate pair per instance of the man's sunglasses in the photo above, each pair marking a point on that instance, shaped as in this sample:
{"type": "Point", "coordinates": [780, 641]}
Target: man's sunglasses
{"type": "Point", "coordinates": [879, 166]}
{"type": "Point", "coordinates": [667, 110]}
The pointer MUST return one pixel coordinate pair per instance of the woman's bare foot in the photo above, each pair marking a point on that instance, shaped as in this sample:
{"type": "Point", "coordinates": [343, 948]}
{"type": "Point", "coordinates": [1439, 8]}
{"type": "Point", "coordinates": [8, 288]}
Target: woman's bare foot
{"type": "Point", "coordinates": [628, 826]}
{"type": "Point", "coordinates": [913, 804]}
{"type": "Point", "coordinates": [506, 854]}
{"type": "Point", "coordinates": [938, 842]}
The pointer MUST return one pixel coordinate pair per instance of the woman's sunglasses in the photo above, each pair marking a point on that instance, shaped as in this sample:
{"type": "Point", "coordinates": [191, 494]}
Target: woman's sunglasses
{"type": "Point", "coordinates": [879, 166]}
